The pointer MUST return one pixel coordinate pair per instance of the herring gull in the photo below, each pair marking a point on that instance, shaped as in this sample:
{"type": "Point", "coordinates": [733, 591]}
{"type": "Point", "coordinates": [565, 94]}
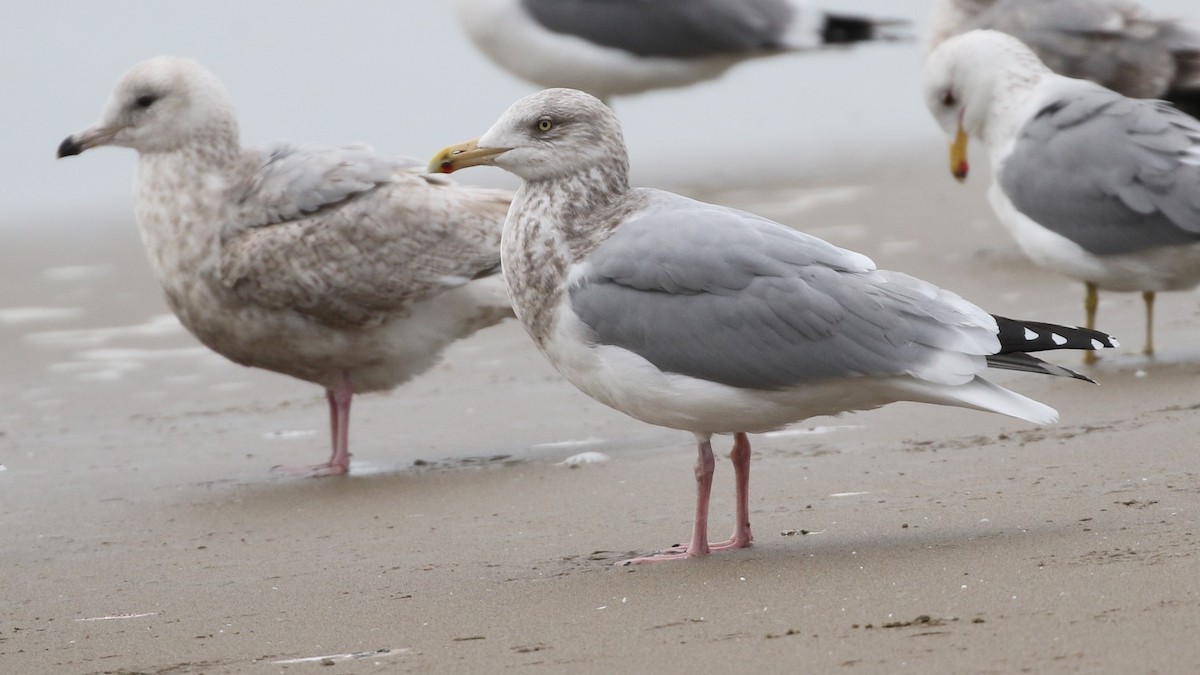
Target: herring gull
{"type": "Point", "coordinates": [716, 321]}
{"type": "Point", "coordinates": [341, 266]}
{"type": "Point", "coordinates": [617, 47]}
{"type": "Point", "coordinates": [1115, 43]}
{"type": "Point", "coordinates": [1093, 185]}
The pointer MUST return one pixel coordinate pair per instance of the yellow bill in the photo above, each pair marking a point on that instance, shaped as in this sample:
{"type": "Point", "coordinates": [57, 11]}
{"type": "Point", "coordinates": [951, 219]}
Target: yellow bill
{"type": "Point", "coordinates": [958, 155]}
{"type": "Point", "coordinates": [460, 156]}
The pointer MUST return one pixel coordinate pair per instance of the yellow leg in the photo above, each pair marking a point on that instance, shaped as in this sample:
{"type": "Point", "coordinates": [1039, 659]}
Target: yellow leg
{"type": "Point", "coordinates": [1148, 298]}
{"type": "Point", "coordinates": [1090, 302]}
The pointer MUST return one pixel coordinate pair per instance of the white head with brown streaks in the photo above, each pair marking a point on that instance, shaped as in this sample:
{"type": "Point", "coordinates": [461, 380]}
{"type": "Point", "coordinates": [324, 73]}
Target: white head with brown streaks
{"type": "Point", "coordinates": [568, 148]}
{"type": "Point", "coordinates": [552, 134]}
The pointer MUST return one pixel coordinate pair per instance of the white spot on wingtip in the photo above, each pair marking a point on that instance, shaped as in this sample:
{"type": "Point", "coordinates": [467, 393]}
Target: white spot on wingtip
{"type": "Point", "coordinates": [1030, 334]}
{"type": "Point", "coordinates": [1058, 339]}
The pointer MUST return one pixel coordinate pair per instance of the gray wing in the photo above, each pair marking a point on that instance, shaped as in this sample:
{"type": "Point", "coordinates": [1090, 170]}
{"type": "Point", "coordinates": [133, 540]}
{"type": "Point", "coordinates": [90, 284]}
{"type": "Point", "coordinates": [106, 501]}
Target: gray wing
{"type": "Point", "coordinates": [1111, 42]}
{"type": "Point", "coordinates": [672, 28]}
{"type": "Point", "coordinates": [294, 180]}
{"type": "Point", "coordinates": [349, 237]}
{"type": "Point", "coordinates": [1110, 173]}
{"type": "Point", "coordinates": [729, 297]}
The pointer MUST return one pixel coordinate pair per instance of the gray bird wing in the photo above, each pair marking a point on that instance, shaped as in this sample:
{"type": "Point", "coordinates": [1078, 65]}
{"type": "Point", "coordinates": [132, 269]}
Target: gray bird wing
{"type": "Point", "coordinates": [1110, 173]}
{"type": "Point", "coordinates": [351, 237]}
{"type": "Point", "coordinates": [730, 297]}
{"type": "Point", "coordinates": [1111, 42]}
{"type": "Point", "coordinates": [670, 28]}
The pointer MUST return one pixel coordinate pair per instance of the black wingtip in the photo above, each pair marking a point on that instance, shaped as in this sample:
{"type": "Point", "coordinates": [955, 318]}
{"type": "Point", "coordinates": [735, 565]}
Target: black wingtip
{"type": "Point", "coordinates": [843, 29]}
{"type": "Point", "coordinates": [1027, 363]}
{"type": "Point", "coordinates": [1186, 100]}
{"type": "Point", "coordinates": [69, 147]}
{"type": "Point", "coordinates": [1034, 336]}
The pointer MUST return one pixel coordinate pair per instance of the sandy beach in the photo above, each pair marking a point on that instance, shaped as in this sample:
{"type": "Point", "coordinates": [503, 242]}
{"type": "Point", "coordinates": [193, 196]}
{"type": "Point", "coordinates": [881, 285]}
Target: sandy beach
{"type": "Point", "coordinates": [145, 533]}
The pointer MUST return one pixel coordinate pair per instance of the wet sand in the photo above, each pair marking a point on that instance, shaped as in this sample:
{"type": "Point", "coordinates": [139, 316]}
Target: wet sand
{"type": "Point", "coordinates": [144, 532]}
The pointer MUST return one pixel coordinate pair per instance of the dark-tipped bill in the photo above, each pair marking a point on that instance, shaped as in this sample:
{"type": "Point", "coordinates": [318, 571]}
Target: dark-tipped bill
{"type": "Point", "coordinates": [69, 147]}
{"type": "Point", "coordinates": [461, 156]}
{"type": "Point", "coordinates": [88, 138]}
{"type": "Point", "coordinates": [958, 155]}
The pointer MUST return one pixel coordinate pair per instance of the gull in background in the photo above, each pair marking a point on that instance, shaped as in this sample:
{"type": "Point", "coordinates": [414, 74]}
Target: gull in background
{"type": "Point", "coordinates": [1093, 185]}
{"type": "Point", "coordinates": [617, 47]}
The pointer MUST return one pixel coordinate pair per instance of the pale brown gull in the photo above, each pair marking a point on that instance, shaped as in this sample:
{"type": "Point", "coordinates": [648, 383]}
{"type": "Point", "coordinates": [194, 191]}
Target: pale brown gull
{"type": "Point", "coordinates": [340, 266]}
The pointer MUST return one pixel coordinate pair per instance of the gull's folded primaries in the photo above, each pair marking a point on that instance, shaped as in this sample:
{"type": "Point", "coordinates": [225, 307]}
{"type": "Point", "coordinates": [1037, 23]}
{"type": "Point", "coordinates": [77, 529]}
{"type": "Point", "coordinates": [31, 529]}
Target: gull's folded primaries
{"type": "Point", "coordinates": [1093, 185]}
{"type": "Point", "coordinates": [711, 320]}
{"type": "Point", "coordinates": [337, 265]}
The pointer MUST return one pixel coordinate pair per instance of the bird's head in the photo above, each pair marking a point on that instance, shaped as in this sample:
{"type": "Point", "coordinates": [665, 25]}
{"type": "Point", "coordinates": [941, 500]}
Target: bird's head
{"type": "Point", "coordinates": [157, 106]}
{"type": "Point", "coordinates": [972, 79]}
{"type": "Point", "coordinates": [550, 134]}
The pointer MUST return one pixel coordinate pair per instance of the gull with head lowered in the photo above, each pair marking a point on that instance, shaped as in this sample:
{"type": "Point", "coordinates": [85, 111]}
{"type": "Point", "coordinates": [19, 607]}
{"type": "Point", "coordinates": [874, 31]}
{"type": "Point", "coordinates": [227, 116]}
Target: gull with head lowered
{"type": "Point", "coordinates": [1092, 184]}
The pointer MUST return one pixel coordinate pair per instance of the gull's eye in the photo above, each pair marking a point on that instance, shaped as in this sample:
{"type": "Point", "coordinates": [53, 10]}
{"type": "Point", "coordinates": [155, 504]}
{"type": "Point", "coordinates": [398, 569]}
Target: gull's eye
{"type": "Point", "coordinates": [948, 99]}
{"type": "Point", "coordinates": [545, 125]}
{"type": "Point", "coordinates": [146, 100]}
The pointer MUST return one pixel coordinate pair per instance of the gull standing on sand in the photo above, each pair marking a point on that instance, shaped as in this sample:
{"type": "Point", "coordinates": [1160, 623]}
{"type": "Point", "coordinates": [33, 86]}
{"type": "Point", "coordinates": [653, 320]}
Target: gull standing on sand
{"type": "Point", "coordinates": [1116, 43]}
{"type": "Point", "coordinates": [337, 265]}
{"type": "Point", "coordinates": [1092, 185]}
{"type": "Point", "coordinates": [616, 47]}
{"type": "Point", "coordinates": [711, 320]}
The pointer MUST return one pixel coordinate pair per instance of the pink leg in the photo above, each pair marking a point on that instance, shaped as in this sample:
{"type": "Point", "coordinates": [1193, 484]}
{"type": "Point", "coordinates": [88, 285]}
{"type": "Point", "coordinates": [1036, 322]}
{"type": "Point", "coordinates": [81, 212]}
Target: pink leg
{"type": "Point", "coordinates": [705, 465]}
{"type": "Point", "coordinates": [741, 469]}
{"type": "Point", "coordinates": [741, 537]}
{"type": "Point", "coordinates": [339, 429]}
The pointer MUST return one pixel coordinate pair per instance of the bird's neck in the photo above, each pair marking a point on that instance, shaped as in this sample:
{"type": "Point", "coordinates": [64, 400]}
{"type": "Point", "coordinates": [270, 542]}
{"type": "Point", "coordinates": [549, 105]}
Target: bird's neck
{"type": "Point", "coordinates": [574, 206]}
{"type": "Point", "coordinates": [1012, 91]}
{"type": "Point", "coordinates": [181, 206]}
{"type": "Point", "coordinates": [552, 225]}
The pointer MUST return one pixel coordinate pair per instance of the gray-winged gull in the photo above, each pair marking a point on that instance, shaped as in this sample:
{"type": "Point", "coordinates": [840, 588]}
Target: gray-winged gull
{"type": "Point", "coordinates": [711, 320]}
{"type": "Point", "coordinates": [616, 47]}
{"type": "Point", "coordinates": [337, 265]}
{"type": "Point", "coordinates": [1092, 185]}
{"type": "Point", "coordinates": [1116, 43]}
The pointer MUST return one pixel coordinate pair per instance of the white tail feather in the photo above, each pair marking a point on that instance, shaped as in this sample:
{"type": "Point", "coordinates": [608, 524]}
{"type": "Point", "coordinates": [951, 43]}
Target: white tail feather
{"type": "Point", "coordinates": [981, 394]}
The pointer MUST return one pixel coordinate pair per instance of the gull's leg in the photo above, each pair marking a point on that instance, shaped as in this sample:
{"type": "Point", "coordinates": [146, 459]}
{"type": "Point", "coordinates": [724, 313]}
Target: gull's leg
{"type": "Point", "coordinates": [1091, 301]}
{"type": "Point", "coordinates": [705, 465]}
{"type": "Point", "coordinates": [1148, 298]}
{"type": "Point", "coordinates": [339, 431]}
{"type": "Point", "coordinates": [741, 470]}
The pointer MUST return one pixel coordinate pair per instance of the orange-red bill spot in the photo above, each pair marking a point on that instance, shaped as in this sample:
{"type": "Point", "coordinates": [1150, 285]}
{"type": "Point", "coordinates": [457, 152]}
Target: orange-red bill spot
{"type": "Point", "coordinates": [961, 169]}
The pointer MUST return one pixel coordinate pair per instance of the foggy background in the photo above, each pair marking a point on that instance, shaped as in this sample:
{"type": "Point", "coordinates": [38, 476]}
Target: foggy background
{"type": "Point", "coordinates": [401, 76]}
